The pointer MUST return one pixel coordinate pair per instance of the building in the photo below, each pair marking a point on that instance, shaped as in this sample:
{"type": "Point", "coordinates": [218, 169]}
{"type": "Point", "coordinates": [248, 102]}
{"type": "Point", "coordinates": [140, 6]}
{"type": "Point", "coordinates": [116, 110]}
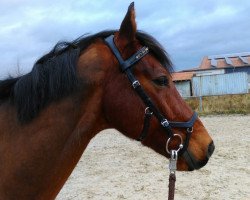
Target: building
{"type": "Point", "coordinates": [213, 76]}
{"type": "Point", "coordinates": [182, 82]}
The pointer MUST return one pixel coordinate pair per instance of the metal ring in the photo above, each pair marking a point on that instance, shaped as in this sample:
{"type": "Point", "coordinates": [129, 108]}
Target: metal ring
{"type": "Point", "coordinates": [190, 129]}
{"type": "Point", "coordinates": [180, 146]}
{"type": "Point", "coordinates": [148, 111]}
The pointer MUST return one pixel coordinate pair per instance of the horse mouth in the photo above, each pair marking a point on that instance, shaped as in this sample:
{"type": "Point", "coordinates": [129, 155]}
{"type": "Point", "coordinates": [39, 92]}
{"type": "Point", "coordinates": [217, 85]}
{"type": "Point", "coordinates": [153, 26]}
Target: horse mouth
{"type": "Point", "coordinates": [192, 162]}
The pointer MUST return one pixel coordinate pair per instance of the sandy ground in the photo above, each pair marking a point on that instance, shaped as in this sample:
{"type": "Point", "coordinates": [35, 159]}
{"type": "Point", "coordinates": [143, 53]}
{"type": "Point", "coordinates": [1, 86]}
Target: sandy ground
{"type": "Point", "coordinates": [114, 167]}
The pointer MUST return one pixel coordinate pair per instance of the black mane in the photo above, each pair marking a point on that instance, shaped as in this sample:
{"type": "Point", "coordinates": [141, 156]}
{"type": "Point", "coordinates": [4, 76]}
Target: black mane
{"type": "Point", "coordinates": [54, 76]}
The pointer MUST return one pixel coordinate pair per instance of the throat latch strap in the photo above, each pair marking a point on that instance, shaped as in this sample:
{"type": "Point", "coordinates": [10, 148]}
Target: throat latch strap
{"type": "Point", "coordinates": [146, 124]}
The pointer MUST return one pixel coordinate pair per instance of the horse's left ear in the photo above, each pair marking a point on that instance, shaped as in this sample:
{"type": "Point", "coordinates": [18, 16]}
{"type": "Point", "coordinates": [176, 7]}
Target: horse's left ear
{"type": "Point", "coordinates": [128, 26]}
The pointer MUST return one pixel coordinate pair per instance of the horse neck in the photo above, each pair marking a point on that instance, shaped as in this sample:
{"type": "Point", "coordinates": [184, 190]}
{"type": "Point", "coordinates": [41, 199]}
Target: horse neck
{"type": "Point", "coordinates": [47, 149]}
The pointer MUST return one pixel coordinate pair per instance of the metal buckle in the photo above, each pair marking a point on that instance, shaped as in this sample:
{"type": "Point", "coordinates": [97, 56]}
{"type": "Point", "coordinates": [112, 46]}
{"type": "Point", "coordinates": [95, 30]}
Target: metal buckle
{"type": "Point", "coordinates": [180, 146]}
{"type": "Point", "coordinates": [135, 84]}
{"type": "Point", "coordinates": [165, 123]}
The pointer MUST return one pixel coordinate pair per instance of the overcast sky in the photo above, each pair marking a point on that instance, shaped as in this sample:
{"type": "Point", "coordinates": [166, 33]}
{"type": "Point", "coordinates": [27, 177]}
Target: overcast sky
{"type": "Point", "coordinates": [188, 29]}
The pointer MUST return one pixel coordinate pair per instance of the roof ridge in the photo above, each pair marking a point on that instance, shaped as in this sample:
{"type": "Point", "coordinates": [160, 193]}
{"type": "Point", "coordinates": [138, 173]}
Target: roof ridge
{"type": "Point", "coordinates": [229, 55]}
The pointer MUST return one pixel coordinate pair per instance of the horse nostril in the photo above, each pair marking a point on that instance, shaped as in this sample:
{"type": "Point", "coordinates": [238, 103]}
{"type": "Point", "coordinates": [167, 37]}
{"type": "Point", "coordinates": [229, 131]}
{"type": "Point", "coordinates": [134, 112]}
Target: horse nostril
{"type": "Point", "coordinates": [210, 149]}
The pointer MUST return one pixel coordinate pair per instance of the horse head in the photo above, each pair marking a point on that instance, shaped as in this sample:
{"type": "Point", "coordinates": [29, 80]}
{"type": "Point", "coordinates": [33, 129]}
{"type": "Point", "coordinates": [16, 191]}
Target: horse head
{"type": "Point", "coordinates": [124, 109]}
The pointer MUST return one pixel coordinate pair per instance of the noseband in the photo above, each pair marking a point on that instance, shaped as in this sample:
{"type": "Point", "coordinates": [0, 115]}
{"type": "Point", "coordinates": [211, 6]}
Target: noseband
{"type": "Point", "coordinates": [151, 109]}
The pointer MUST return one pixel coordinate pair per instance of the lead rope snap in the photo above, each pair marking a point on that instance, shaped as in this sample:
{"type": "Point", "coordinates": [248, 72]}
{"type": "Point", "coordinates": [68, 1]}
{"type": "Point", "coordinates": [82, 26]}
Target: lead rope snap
{"type": "Point", "coordinates": [173, 161]}
{"type": "Point", "coordinates": [173, 165]}
{"type": "Point", "coordinates": [172, 177]}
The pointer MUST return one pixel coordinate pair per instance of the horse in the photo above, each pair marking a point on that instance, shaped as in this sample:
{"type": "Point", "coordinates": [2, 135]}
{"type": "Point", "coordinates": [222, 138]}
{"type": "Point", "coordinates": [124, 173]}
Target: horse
{"type": "Point", "coordinates": [117, 79]}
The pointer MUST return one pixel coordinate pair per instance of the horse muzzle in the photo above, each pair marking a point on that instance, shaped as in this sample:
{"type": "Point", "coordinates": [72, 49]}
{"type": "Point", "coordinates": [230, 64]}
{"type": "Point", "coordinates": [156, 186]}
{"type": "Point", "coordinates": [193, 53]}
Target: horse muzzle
{"type": "Point", "coordinates": [193, 163]}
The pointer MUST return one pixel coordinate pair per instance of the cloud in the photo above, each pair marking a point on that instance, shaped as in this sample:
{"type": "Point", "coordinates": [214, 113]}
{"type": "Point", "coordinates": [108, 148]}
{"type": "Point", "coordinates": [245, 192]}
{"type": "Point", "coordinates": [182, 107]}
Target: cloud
{"type": "Point", "coordinates": [188, 30]}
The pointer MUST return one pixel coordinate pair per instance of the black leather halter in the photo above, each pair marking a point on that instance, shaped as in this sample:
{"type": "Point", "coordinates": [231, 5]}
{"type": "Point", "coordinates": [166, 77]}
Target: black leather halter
{"type": "Point", "coordinates": [151, 109]}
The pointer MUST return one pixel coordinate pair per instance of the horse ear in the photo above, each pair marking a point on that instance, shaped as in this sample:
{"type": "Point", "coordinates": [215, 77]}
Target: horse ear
{"type": "Point", "coordinates": [128, 26]}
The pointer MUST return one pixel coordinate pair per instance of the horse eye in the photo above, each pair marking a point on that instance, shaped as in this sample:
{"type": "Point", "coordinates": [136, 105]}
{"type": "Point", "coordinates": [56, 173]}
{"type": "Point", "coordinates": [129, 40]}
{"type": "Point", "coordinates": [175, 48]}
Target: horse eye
{"type": "Point", "coordinates": [161, 81]}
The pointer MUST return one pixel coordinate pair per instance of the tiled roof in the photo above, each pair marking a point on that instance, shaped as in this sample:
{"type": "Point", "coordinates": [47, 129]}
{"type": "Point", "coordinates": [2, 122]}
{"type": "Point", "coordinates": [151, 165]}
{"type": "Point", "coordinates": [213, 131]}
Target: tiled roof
{"type": "Point", "coordinates": [225, 60]}
{"type": "Point", "coordinates": [182, 76]}
{"type": "Point", "coordinates": [215, 62]}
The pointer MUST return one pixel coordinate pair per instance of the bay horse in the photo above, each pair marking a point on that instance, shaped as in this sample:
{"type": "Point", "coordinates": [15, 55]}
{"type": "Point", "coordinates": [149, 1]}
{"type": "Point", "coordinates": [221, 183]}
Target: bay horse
{"type": "Point", "coordinates": [49, 115]}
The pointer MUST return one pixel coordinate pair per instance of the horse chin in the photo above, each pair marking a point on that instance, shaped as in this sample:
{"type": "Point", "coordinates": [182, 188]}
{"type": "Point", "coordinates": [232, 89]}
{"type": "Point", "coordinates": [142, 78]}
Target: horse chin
{"type": "Point", "coordinates": [192, 162]}
{"type": "Point", "coordinates": [188, 162]}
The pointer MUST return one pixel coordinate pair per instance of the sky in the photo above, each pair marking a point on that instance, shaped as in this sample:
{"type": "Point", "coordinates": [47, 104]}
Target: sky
{"type": "Point", "coordinates": [187, 29]}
